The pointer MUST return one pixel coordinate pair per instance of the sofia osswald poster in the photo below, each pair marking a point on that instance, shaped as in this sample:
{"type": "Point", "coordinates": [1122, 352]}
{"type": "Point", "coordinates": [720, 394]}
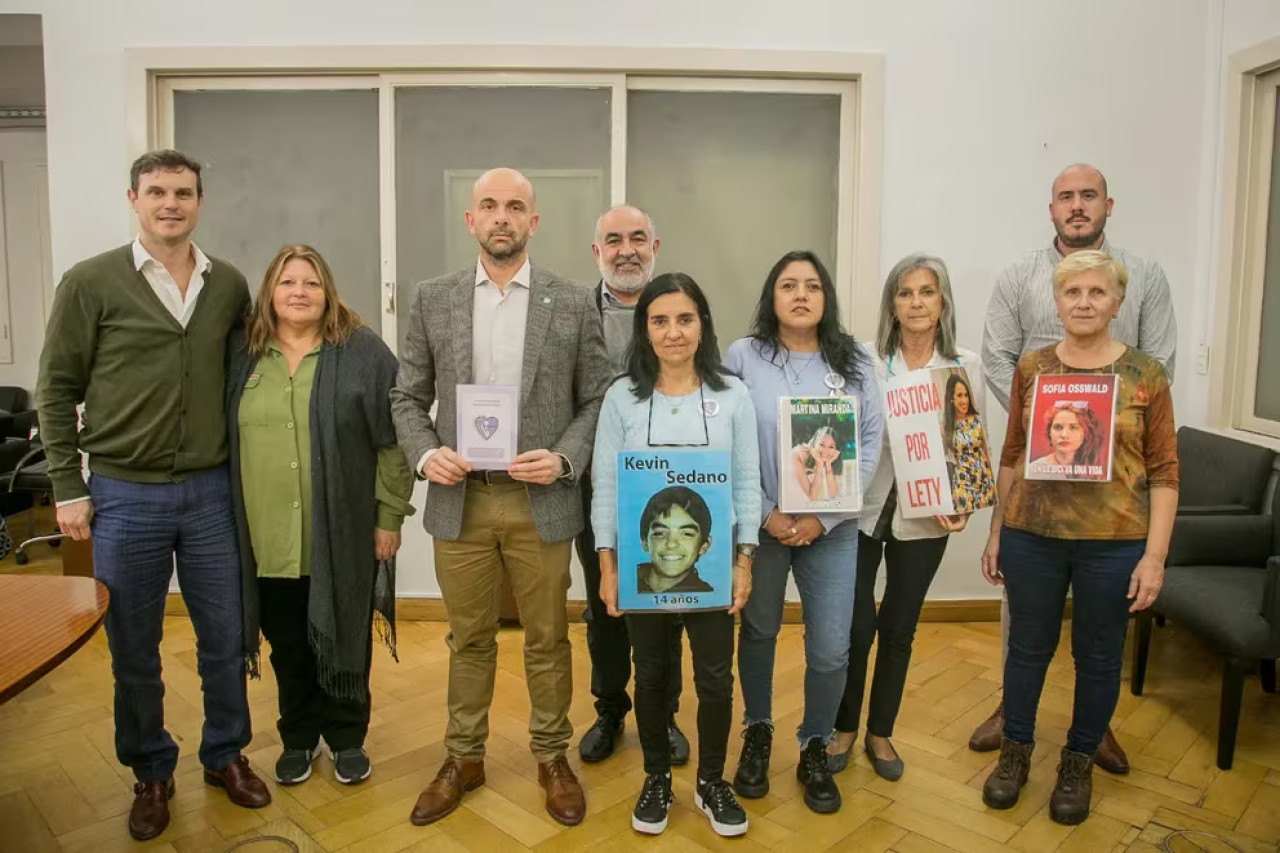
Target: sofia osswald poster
{"type": "Point", "coordinates": [675, 529]}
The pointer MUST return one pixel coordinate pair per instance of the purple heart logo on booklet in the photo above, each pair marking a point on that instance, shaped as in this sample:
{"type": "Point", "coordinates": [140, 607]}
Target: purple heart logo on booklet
{"type": "Point", "coordinates": [486, 426]}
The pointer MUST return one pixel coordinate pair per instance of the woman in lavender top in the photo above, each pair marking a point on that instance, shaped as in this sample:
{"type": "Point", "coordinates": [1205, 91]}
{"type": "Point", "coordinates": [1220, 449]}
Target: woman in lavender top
{"type": "Point", "coordinates": [676, 393]}
{"type": "Point", "coordinates": [798, 348]}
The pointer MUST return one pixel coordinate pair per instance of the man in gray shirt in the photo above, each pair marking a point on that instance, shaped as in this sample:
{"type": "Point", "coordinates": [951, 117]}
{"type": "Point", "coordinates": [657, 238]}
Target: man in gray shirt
{"type": "Point", "coordinates": [1022, 317]}
{"type": "Point", "coordinates": [625, 248]}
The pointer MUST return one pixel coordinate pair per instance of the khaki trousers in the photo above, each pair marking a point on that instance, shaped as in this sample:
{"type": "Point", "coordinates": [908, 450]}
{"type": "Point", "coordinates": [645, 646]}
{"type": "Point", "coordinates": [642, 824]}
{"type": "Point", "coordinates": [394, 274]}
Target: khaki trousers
{"type": "Point", "coordinates": [498, 533]}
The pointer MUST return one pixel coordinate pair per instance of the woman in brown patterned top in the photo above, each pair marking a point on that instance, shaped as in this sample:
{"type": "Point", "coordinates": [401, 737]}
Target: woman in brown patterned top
{"type": "Point", "coordinates": [1106, 541]}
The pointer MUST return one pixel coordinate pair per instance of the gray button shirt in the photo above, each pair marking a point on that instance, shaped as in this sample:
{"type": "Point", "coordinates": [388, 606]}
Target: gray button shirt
{"type": "Point", "coordinates": [1022, 316]}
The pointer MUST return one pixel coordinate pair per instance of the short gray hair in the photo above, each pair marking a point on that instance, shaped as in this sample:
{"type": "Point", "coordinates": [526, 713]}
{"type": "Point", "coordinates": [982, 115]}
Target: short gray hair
{"type": "Point", "coordinates": [648, 220]}
{"type": "Point", "coordinates": [889, 336]}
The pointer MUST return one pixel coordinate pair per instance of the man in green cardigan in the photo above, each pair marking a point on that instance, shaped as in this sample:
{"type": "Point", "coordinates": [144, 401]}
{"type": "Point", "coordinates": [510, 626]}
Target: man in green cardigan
{"type": "Point", "coordinates": [138, 336]}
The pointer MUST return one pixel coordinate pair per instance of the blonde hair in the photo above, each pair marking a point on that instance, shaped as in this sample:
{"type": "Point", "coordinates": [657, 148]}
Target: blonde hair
{"type": "Point", "coordinates": [1078, 262]}
{"type": "Point", "coordinates": [336, 324]}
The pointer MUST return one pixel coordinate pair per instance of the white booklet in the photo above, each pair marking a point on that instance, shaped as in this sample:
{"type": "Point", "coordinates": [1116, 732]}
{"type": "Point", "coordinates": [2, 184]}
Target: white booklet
{"type": "Point", "coordinates": [488, 425]}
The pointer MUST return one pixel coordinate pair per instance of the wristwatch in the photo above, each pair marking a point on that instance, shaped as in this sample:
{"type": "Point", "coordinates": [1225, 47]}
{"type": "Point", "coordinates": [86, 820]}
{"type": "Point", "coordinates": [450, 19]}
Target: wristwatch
{"type": "Point", "coordinates": [748, 551]}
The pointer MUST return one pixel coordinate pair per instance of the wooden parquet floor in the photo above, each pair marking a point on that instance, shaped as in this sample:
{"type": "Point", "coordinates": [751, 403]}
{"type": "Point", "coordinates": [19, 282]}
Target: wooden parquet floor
{"type": "Point", "coordinates": [62, 790]}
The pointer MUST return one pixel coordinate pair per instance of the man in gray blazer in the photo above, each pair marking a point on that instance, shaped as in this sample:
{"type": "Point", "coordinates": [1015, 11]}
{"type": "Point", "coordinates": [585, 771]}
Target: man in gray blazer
{"type": "Point", "coordinates": [503, 322]}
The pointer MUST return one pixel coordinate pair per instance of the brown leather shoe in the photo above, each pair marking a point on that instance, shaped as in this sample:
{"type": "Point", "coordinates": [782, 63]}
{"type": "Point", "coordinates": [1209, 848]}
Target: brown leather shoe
{"type": "Point", "coordinates": [565, 801]}
{"type": "Point", "coordinates": [244, 788]}
{"type": "Point", "coordinates": [444, 794]}
{"type": "Point", "coordinates": [150, 812]}
{"type": "Point", "coordinates": [988, 736]}
{"type": "Point", "coordinates": [1110, 756]}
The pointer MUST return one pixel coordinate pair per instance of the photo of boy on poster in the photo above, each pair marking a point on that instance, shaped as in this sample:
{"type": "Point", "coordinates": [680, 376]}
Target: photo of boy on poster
{"type": "Point", "coordinates": [675, 530]}
{"type": "Point", "coordinates": [973, 482]}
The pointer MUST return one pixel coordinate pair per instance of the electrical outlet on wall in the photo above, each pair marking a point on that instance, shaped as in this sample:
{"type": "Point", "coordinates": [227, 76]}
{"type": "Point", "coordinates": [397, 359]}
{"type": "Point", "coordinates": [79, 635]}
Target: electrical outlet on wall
{"type": "Point", "coordinates": [1202, 359]}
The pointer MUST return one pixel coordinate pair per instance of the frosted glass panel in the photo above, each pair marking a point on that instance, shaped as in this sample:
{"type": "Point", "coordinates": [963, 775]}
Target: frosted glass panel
{"type": "Point", "coordinates": [1267, 398]}
{"type": "Point", "coordinates": [446, 137]}
{"type": "Point", "coordinates": [734, 180]}
{"type": "Point", "coordinates": [289, 167]}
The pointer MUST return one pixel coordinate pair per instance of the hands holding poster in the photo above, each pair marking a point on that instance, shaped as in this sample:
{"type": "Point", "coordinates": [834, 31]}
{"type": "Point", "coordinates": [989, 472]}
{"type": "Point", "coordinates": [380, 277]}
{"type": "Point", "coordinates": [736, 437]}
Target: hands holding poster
{"type": "Point", "coordinates": [1071, 431]}
{"type": "Point", "coordinates": [938, 443]}
{"type": "Point", "coordinates": [675, 530]}
{"type": "Point", "coordinates": [818, 450]}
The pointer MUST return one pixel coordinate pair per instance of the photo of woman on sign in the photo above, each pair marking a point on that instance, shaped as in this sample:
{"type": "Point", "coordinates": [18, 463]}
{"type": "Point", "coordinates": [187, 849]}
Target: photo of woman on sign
{"type": "Point", "coordinates": [1075, 438]}
{"type": "Point", "coordinates": [675, 530]}
{"type": "Point", "coordinates": [816, 464]}
{"type": "Point", "coordinates": [973, 484]}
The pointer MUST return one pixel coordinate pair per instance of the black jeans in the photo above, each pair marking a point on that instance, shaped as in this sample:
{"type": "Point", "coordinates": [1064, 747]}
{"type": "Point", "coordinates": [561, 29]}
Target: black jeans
{"type": "Point", "coordinates": [711, 642]}
{"type": "Point", "coordinates": [307, 713]}
{"type": "Point", "coordinates": [607, 640]}
{"type": "Point", "coordinates": [1037, 572]}
{"type": "Point", "coordinates": [909, 570]}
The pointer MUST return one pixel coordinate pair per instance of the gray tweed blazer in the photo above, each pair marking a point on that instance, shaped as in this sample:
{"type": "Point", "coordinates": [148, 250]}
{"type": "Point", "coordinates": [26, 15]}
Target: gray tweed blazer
{"type": "Point", "coordinates": [563, 380]}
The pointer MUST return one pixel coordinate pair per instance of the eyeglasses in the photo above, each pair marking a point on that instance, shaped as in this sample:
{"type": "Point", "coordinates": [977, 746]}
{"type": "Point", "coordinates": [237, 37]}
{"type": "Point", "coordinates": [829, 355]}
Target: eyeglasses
{"type": "Point", "coordinates": [706, 434]}
{"type": "Point", "coordinates": [1078, 405]}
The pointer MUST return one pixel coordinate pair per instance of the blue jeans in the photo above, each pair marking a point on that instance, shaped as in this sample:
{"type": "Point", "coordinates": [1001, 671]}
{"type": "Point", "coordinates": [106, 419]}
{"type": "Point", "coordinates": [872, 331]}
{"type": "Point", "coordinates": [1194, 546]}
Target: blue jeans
{"type": "Point", "coordinates": [138, 528]}
{"type": "Point", "coordinates": [825, 571]}
{"type": "Point", "coordinates": [1037, 572]}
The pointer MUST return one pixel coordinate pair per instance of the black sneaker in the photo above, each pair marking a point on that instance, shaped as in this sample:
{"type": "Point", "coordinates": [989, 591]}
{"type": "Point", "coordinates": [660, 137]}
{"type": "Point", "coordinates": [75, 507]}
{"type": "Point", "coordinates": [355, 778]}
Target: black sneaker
{"type": "Point", "coordinates": [294, 766]}
{"type": "Point", "coordinates": [350, 766]}
{"type": "Point", "coordinates": [820, 791]}
{"type": "Point", "coordinates": [716, 800]}
{"type": "Point", "coordinates": [752, 778]}
{"type": "Point", "coordinates": [679, 744]}
{"type": "Point", "coordinates": [650, 815]}
{"type": "Point", "coordinates": [599, 741]}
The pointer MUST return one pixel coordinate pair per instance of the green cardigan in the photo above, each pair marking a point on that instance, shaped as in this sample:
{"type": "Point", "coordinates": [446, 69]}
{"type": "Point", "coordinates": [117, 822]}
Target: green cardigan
{"type": "Point", "coordinates": [153, 391]}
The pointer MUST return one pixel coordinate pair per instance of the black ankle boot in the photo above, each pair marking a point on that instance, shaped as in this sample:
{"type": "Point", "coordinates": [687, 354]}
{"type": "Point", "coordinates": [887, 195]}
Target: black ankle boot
{"type": "Point", "coordinates": [752, 779]}
{"type": "Point", "coordinates": [820, 792]}
{"type": "Point", "coordinates": [1002, 787]}
{"type": "Point", "coordinates": [1070, 801]}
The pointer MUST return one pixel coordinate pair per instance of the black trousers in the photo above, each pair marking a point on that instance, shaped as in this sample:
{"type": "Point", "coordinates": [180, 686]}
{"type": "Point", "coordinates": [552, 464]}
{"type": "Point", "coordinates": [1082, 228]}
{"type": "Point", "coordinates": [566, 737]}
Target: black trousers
{"type": "Point", "coordinates": [909, 570]}
{"type": "Point", "coordinates": [711, 642]}
{"type": "Point", "coordinates": [307, 713]}
{"type": "Point", "coordinates": [607, 640]}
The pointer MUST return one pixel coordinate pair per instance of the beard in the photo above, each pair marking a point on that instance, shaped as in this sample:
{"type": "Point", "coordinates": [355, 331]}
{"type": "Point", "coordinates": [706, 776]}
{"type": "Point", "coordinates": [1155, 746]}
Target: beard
{"type": "Point", "coordinates": [626, 282]}
{"type": "Point", "coordinates": [1080, 240]}
{"type": "Point", "coordinates": [500, 252]}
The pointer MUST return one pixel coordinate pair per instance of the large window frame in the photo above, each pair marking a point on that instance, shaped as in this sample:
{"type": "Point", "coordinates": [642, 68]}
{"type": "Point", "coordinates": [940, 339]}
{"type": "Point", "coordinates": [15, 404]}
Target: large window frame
{"type": "Point", "coordinates": [1253, 84]}
{"type": "Point", "coordinates": [155, 74]}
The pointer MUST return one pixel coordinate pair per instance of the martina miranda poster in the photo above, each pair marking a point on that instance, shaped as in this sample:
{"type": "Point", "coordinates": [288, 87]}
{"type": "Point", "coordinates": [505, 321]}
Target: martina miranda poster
{"type": "Point", "coordinates": [1071, 431]}
{"type": "Point", "coordinates": [675, 529]}
{"type": "Point", "coordinates": [818, 455]}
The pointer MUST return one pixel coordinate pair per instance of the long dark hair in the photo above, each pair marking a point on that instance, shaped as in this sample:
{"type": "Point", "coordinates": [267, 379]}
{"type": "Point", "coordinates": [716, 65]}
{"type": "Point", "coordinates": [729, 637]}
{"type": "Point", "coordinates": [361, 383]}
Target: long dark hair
{"type": "Point", "coordinates": [642, 361]}
{"type": "Point", "coordinates": [949, 405]}
{"type": "Point", "coordinates": [838, 347]}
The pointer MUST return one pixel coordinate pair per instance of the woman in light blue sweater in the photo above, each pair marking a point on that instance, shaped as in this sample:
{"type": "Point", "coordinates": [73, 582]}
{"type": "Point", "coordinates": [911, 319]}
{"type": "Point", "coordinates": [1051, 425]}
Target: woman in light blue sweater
{"type": "Point", "coordinates": [798, 348]}
{"type": "Point", "coordinates": [676, 393]}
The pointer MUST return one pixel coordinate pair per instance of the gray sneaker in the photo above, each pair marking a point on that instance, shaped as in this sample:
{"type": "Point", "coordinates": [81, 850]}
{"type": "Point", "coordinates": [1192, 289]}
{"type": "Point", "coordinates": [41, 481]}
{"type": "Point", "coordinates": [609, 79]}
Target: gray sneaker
{"type": "Point", "coordinates": [294, 766]}
{"type": "Point", "coordinates": [350, 766]}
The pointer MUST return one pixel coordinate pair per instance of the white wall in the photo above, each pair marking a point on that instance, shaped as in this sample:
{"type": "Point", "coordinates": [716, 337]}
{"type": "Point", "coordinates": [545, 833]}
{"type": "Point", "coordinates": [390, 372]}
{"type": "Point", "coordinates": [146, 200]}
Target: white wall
{"type": "Point", "coordinates": [984, 103]}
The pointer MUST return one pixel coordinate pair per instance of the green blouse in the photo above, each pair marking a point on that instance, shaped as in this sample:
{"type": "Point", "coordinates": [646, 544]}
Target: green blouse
{"type": "Point", "coordinates": [275, 467]}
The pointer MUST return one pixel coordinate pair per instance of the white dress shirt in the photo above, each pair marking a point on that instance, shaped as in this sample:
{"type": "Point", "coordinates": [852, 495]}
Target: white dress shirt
{"type": "Point", "coordinates": [497, 328]}
{"type": "Point", "coordinates": [166, 289]}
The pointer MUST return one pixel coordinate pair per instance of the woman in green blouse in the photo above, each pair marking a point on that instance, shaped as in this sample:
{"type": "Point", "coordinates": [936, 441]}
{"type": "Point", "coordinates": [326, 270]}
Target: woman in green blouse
{"type": "Point", "coordinates": [321, 489]}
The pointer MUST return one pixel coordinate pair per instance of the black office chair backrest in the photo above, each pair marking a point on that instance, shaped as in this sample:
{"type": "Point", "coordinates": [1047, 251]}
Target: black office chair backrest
{"type": "Point", "coordinates": [1218, 474]}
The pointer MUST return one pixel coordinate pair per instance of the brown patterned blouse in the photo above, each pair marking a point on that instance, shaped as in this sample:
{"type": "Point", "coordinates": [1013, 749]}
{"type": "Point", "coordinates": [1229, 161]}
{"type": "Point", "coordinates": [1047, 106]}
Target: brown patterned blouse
{"type": "Point", "coordinates": [1146, 455]}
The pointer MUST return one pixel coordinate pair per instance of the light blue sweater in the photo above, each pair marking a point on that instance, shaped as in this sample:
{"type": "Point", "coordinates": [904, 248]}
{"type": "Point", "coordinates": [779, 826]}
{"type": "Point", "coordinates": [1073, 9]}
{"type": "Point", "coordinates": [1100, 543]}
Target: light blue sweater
{"type": "Point", "coordinates": [624, 425]}
{"type": "Point", "coordinates": [768, 382]}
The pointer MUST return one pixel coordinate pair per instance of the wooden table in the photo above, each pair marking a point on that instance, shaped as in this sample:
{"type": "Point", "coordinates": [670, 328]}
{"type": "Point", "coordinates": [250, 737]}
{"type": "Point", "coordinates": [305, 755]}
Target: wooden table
{"type": "Point", "coordinates": [43, 620]}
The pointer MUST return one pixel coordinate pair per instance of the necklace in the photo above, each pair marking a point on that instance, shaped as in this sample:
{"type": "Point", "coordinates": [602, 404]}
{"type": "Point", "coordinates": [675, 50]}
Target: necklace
{"type": "Point", "coordinates": [790, 371]}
